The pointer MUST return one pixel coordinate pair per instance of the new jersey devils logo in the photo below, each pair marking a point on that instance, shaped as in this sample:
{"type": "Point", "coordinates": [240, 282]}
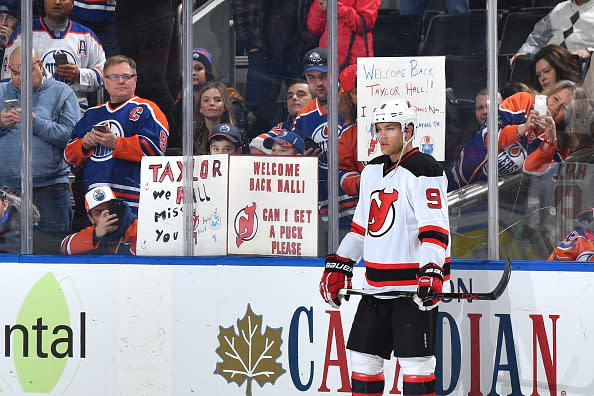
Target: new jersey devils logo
{"type": "Point", "coordinates": [246, 224]}
{"type": "Point", "coordinates": [382, 213]}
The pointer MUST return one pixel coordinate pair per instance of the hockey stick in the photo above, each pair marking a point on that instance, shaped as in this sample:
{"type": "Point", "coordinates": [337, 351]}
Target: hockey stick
{"type": "Point", "coordinates": [492, 295]}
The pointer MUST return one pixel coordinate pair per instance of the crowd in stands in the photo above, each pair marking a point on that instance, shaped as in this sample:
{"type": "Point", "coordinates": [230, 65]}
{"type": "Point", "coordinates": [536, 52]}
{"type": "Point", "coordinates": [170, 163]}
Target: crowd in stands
{"type": "Point", "coordinates": [127, 52]}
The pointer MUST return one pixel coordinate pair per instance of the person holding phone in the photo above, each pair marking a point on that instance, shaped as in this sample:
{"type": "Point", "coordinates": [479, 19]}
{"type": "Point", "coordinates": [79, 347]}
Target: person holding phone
{"type": "Point", "coordinates": [112, 224]}
{"type": "Point", "coordinates": [110, 140]}
{"type": "Point", "coordinates": [532, 136]}
{"type": "Point", "coordinates": [55, 111]}
{"type": "Point", "coordinates": [60, 41]}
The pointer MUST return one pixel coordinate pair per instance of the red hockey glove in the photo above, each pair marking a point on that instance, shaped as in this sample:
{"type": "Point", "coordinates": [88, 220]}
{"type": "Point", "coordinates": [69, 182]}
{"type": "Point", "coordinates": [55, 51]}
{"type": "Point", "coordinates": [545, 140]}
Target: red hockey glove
{"type": "Point", "coordinates": [430, 280]}
{"type": "Point", "coordinates": [337, 275]}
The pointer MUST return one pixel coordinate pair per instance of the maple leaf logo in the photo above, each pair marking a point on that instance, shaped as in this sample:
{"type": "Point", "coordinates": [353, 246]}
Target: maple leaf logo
{"type": "Point", "coordinates": [249, 355]}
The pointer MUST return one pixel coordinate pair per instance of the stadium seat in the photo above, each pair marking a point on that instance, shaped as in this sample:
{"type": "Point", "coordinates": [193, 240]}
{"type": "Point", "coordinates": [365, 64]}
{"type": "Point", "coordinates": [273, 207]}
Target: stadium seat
{"type": "Point", "coordinates": [466, 75]}
{"type": "Point", "coordinates": [522, 71]}
{"type": "Point", "coordinates": [456, 35]}
{"type": "Point", "coordinates": [516, 28]}
{"type": "Point", "coordinates": [396, 35]}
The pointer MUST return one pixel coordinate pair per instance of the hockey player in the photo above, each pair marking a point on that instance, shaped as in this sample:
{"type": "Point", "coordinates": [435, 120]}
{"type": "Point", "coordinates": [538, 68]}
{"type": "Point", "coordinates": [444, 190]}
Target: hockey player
{"type": "Point", "coordinates": [111, 139]}
{"type": "Point", "coordinates": [400, 229]}
{"type": "Point", "coordinates": [55, 36]}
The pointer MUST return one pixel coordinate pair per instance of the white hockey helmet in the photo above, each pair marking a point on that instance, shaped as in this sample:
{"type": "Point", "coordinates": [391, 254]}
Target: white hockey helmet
{"type": "Point", "coordinates": [396, 110]}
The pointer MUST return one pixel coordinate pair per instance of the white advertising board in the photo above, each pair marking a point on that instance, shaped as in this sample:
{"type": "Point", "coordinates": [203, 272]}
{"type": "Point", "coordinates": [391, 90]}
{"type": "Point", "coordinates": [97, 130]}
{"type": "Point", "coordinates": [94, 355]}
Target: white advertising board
{"type": "Point", "coordinates": [273, 205]}
{"type": "Point", "coordinates": [106, 329]}
{"type": "Point", "coordinates": [160, 213]}
{"type": "Point", "coordinates": [421, 80]}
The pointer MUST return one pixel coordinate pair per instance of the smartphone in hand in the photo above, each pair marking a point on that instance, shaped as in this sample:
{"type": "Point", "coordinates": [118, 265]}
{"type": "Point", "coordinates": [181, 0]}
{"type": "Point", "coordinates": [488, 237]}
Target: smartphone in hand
{"type": "Point", "coordinates": [540, 104]}
{"type": "Point", "coordinates": [117, 207]}
{"type": "Point", "coordinates": [100, 127]}
{"type": "Point", "coordinates": [10, 104]}
{"type": "Point", "coordinates": [60, 59]}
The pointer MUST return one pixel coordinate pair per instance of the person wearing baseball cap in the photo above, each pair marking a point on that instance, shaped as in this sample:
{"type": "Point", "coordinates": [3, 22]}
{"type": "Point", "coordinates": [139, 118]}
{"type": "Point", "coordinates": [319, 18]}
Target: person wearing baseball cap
{"type": "Point", "coordinates": [225, 138]}
{"type": "Point", "coordinates": [315, 70]}
{"type": "Point", "coordinates": [10, 14]}
{"type": "Point", "coordinates": [112, 224]}
{"type": "Point", "coordinates": [285, 143]}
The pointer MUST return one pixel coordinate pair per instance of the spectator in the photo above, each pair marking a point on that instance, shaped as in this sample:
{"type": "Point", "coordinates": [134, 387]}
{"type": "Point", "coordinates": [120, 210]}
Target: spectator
{"type": "Point", "coordinates": [579, 244]}
{"type": "Point", "coordinates": [55, 111]}
{"type": "Point", "coordinates": [10, 226]}
{"type": "Point", "coordinates": [481, 107]}
{"type": "Point", "coordinates": [56, 34]}
{"type": "Point", "coordinates": [214, 107]}
{"type": "Point", "coordinates": [269, 33]}
{"type": "Point", "coordinates": [349, 168]}
{"type": "Point", "coordinates": [202, 74]}
{"type": "Point", "coordinates": [553, 63]}
{"type": "Point", "coordinates": [225, 139]}
{"type": "Point", "coordinates": [99, 16]}
{"type": "Point", "coordinates": [131, 127]}
{"type": "Point", "coordinates": [312, 124]}
{"type": "Point", "coordinates": [10, 13]}
{"type": "Point", "coordinates": [145, 33]}
{"type": "Point", "coordinates": [570, 24]}
{"type": "Point", "coordinates": [351, 41]}
{"type": "Point", "coordinates": [112, 223]}
{"type": "Point", "coordinates": [528, 141]}
{"type": "Point", "coordinates": [285, 143]}
{"type": "Point", "coordinates": [298, 95]}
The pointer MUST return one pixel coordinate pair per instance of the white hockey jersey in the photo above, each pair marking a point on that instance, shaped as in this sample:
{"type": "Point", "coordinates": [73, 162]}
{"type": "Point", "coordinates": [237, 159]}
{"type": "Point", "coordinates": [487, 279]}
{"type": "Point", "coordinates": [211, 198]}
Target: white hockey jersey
{"type": "Point", "coordinates": [400, 223]}
{"type": "Point", "coordinates": [81, 47]}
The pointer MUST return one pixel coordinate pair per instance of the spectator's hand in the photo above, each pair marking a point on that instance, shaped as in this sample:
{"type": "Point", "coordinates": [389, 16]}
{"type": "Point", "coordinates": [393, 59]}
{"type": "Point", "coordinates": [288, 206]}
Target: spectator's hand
{"type": "Point", "coordinates": [312, 152]}
{"type": "Point", "coordinates": [582, 53]}
{"type": "Point", "coordinates": [5, 33]}
{"type": "Point", "coordinates": [69, 71]}
{"type": "Point", "coordinates": [323, 4]}
{"type": "Point", "coordinates": [9, 118]}
{"type": "Point", "coordinates": [106, 224]}
{"type": "Point", "coordinates": [106, 139]}
{"type": "Point", "coordinates": [513, 58]}
{"type": "Point", "coordinates": [547, 124]}
{"type": "Point", "coordinates": [90, 140]}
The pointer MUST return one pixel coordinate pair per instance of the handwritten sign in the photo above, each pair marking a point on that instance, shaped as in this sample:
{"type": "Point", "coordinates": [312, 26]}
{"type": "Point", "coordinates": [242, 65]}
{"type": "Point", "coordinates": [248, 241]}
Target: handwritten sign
{"type": "Point", "coordinates": [421, 80]}
{"type": "Point", "coordinates": [160, 213]}
{"type": "Point", "coordinates": [273, 205]}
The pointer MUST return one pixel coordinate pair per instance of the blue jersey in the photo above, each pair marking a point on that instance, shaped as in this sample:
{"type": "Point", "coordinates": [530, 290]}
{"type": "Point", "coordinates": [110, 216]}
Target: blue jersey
{"type": "Point", "coordinates": [141, 128]}
{"type": "Point", "coordinates": [94, 10]}
{"type": "Point", "coordinates": [312, 122]}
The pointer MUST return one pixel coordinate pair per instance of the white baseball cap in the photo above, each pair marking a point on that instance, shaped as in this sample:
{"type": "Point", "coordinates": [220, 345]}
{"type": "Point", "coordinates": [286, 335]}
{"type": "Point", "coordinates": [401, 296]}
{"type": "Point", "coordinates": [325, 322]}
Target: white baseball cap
{"type": "Point", "coordinates": [97, 196]}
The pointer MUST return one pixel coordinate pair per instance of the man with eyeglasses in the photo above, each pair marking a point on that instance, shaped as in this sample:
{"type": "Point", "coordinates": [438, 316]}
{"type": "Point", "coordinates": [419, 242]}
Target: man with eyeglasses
{"type": "Point", "coordinates": [69, 51]}
{"type": "Point", "coordinates": [110, 140]}
{"type": "Point", "coordinates": [54, 113]}
{"type": "Point", "coordinates": [10, 226]}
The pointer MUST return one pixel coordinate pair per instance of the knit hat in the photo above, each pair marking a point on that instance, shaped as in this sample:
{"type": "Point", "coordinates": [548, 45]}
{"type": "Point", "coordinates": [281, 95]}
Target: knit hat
{"type": "Point", "coordinates": [203, 56]}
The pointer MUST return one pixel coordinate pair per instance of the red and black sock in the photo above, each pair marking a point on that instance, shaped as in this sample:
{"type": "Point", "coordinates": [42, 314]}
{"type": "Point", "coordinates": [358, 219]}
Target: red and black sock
{"type": "Point", "coordinates": [418, 385]}
{"type": "Point", "coordinates": [367, 385]}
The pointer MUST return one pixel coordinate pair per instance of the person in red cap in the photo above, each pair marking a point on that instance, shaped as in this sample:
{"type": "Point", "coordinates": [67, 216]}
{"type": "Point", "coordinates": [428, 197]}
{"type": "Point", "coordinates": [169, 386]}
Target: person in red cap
{"type": "Point", "coordinates": [348, 166]}
{"type": "Point", "coordinates": [113, 223]}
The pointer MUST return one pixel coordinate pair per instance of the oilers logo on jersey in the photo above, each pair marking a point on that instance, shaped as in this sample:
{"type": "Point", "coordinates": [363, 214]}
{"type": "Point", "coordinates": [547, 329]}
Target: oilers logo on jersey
{"type": "Point", "coordinates": [102, 153]}
{"type": "Point", "coordinates": [50, 64]}
{"type": "Point", "coordinates": [511, 159]}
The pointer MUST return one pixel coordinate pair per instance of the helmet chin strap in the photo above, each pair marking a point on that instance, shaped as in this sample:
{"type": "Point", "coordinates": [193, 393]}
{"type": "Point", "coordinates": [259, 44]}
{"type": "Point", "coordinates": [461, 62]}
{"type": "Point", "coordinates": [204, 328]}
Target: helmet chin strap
{"type": "Point", "coordinates": [405, 143]}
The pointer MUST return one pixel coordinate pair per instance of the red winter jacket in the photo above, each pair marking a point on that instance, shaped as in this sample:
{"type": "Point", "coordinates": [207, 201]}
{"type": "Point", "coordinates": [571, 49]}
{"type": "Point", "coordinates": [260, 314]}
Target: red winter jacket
{"type": "Point", "coordinates": [348, 21]}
